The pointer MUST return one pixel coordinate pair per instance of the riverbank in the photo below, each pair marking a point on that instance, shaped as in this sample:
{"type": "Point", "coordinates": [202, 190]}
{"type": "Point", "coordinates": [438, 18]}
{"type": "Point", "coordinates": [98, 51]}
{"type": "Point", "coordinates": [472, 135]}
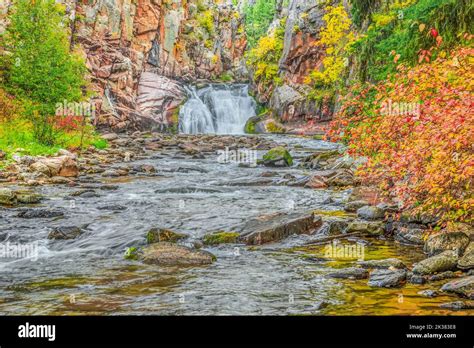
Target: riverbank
{"type": "Point", "coordinates": [320, 243]}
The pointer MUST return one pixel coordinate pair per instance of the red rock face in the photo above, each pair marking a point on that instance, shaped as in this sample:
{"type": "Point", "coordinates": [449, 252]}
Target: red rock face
{"type": "Point", "coordinates": [121, 39]}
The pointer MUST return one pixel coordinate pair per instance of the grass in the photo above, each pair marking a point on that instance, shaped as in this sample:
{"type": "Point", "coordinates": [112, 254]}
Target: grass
{"type": "Point", "coordinates": [17, 137]}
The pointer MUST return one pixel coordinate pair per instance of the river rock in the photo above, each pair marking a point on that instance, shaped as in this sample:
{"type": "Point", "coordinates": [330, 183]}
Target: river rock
{"type": "Point", "coordinates": [353, 206]}
{"type": "Point", "coordinates": [463, 287]}
{"type": "Point", "coordinates": [156, 235]}
{"type": "Point", "coordinates": [27, 197]}
{"type": "Point", "coordinates": [221, 238]}
{"type": "Point", "coordinates": [64, 166]}
{"type": "Point", "coordinates": [409, 234]}
{"type": "Point", "coordinates": [170, 254]}
{"type": "Point", "coordinates": [446, 261]}
{"type": "Point", "coordinates": [385, 263]}
{"type": "Point", "coordinates": [271, 228]}
{"type": "Point", "coordinates": [65, 232]}
{"type": "Point", "coordinates": [428, 293]}
{"type": "Point", "coordinates": [7, 196]}
{"type": "Point", "coordinates": [466, 262]}
{"type": "Point", "coordinates": [39, 214]}
{"type": "Point", "coordinates": [370, 213]}
{"type": "Point", "coordinates": [456, 241]}
{"type": "Point", "coordinates": [458, 305]}
{"type": "Point", "coordinates": [278, 157]}
{"type": "Point", "coordinates": [350, 273]}
{"type": "Point", "coordinates": [367, 227]}
{"type": "Point", "coordinates": [387, 278]}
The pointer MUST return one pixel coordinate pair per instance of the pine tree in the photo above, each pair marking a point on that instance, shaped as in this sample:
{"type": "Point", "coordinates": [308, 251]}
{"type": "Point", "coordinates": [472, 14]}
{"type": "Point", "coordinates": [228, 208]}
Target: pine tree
{"type": "Point", "coordinates": [41, 70]}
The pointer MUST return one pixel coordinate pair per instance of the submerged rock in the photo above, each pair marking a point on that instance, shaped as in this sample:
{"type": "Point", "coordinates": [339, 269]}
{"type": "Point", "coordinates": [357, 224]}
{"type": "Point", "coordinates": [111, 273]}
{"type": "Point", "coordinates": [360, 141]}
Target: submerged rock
{"type": "Point", "coordinates": [387, 278]}
{"type": "Point", "coordinates": [350, 273]}
{"type": "Point", "coordinates": [156, 235]}
{"type": "Point", "coordinates": [458, 305]}
{"type": "Point", "coordinates": [275, 227]}
{"type": "Point", "coordinates": [65, 232]}
{"type": "Point", "coordinates": [446, 261]}
{"type": "Point", "coordinates": [39, 214]}
{"type": "Point", "coordinates": [221, 238]}
{"type": "Point", "coordinates": [456, 241]}
{"type": "Point", "coordinates": [463, 287]}
{"type": "Point", "coordinates": [385, 263]}
{"type": "Point", "coordinates": [169, 254]}
{"type": "Point", "coordinates": [278, 157]}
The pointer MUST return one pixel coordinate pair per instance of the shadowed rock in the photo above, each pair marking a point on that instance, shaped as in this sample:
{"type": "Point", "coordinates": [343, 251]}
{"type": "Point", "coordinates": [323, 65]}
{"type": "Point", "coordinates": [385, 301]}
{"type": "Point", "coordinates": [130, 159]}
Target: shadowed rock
{"type": "Point", "coordinates": [387, 278]}
{"type": "Point", "coordinates": [272, 228]}
{"type": "Point", "coordinates": [350, 273]}
{"type": "Point", "coordinates": [463, 287]}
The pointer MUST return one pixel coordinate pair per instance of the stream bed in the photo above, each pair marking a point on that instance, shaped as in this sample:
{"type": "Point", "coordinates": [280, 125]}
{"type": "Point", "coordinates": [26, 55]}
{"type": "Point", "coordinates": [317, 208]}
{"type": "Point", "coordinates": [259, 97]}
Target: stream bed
{"type": "Point", "coordinates": [89, 275]}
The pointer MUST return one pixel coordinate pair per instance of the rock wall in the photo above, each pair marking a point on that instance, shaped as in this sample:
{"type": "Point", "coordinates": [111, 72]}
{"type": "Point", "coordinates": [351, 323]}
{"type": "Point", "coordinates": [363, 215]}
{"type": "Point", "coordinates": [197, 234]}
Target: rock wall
{"type": "Point", "coordinates": [289, 101]}
{"type": "Point", "coordinates": [138, 51]}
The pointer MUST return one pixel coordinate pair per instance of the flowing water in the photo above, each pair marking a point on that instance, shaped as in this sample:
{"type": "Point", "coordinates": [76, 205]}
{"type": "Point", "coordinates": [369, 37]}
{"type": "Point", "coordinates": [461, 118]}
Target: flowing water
{"type": "Point", "coordinates": [89, 275]}
{"type": "Point", "coordinates": [216, 109]}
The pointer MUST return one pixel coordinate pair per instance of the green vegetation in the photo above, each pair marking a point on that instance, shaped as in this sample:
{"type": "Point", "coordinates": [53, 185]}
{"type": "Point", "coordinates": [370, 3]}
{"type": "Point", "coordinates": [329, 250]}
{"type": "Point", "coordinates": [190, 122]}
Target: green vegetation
{"type": "Point", "coordinates": [278, 153]}
{"type": "Point", "coordinates": [264, 58]}
{"type": "Point", "coordinates": [221, 238]}
{"type": "Point", "coordinates": [400, 32]}
{"type": "Point", "coordinates": [258, 18]}
{"type": "Point", "coordinates": [38, 76]}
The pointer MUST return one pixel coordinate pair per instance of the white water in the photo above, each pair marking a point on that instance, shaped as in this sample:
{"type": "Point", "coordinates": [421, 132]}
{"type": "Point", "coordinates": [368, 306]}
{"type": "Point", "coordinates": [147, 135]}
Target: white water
{"type": "Point", "coordinates": [216, 109]}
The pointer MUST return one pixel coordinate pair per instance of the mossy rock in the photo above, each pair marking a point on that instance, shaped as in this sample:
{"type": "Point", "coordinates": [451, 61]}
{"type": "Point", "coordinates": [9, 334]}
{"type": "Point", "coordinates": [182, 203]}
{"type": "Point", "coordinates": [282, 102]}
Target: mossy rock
{"type": "Point", "coordinates": [221, 238]}
{"type": "Point", "coordinates": [276, 156]}
{"type": "Point", "coordinates": [27, 197]}
{"type": "Point", "coordinates": [131, 253]}
{"type": "Point", "coordinates": [156, 235]}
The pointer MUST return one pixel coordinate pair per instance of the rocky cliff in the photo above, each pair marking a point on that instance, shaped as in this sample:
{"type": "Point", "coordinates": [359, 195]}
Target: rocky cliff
{"type": "Point", "coordinates": [139, 52]}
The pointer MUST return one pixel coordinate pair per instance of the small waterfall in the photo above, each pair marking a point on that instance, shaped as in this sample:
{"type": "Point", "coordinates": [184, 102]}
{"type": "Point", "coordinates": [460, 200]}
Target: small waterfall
{"type": "Point", "coordinates": [216, 109]}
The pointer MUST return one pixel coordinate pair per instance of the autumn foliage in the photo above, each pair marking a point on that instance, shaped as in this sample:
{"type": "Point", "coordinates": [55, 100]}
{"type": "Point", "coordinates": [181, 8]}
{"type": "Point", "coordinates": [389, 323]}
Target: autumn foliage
{"type": "Point", "coordinates": [417, 130]}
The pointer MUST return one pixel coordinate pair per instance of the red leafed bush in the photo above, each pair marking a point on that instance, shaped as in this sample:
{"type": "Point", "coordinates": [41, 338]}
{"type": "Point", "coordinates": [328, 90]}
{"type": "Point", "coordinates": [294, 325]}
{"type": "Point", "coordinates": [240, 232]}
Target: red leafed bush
{"type": "Point", "coordinates": [68, 123]}
{"type": "Point", "coordinates": [417, 131]}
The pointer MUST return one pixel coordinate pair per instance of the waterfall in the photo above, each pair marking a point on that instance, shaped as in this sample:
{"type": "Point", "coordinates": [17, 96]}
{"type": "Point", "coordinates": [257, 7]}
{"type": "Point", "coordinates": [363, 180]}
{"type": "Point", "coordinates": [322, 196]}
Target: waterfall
{"type": "Point", "coordinates": [216, 109]}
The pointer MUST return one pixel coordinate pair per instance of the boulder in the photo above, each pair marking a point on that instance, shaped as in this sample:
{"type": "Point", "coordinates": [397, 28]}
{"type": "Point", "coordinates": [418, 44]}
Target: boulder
{"type": "Point", "coordinates": [27, 197]}
{"type": "Point", "coordinates": [170, 254]}
{"type": "Point", "coordinates": [156, 235]}
{"type": "Point", "coordinates": [387, 278]}
{"type": "Point", "coordinates": [353, 206]}
{"type": "Point", "coordinates": [7, 196]}
{"type": "Point", "coordinates": [370, 213]}
{"type": "Point", "coordinates": [64, 166]}
{"type": "Point", "coordinates": [350, 273]}
{"type": "Point", "coordinates": [385, 263]}
{"type": "Point", "coordinates": [466, 262]}
{"type": "Point", "coordinates": [463, 287]}
{"type": "Point", "coordinates": [409, 234]}
{"type": "Point", "coordinates": [65, 232]}
{"type": "Point", "coordinates": [278, 157]}
{"type": "Point", "coordinates": [446, 261]}
{"type": "Point", "coordinates": [275, 227]}
{"type": "Point", "coordinates": [456, 241]}
{"type": "Point", "coordinates": [367, 227]}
